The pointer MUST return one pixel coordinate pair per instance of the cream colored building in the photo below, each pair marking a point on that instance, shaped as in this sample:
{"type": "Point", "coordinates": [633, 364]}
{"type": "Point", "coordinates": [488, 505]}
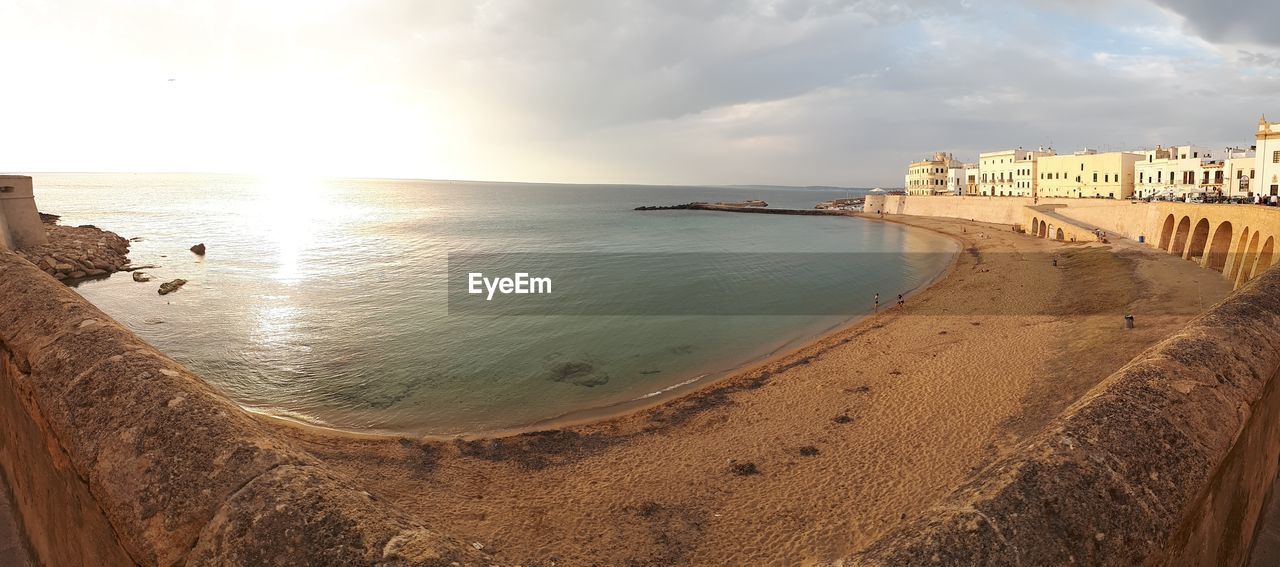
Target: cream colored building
{"type": "Point", "coordinates": [932, 176]}
{"type": "Point", "coordinates": [972, 178]}
{"type": "Point", "coordinates": [1267, 159]}
{"type": "Point", "coordinates": [1009, 173]}
{"type": "Point", "coordinates": [1087, 174]}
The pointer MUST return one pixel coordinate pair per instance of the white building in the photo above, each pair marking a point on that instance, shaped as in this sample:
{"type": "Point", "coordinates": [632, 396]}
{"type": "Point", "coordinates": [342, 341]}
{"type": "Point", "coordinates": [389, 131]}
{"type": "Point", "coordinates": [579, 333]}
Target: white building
{"type": "Point", "coordinates": [955, 178]}
{"type": "Point", "coordinates": [1179, 171]}
{"type": "Point", "coordinates": [1267, 159]}
{"type": "Point", "coordinates": [1240, 168]}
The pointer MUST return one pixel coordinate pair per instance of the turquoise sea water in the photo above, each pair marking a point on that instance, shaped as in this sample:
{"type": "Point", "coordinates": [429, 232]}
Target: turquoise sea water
{"type": "Point", "coordinates": [325, 300]}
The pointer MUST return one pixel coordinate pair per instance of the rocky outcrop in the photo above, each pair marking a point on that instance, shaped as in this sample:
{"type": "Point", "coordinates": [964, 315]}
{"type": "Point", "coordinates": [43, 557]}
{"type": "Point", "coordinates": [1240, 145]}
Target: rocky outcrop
{"type": "Point", "coordinates": [171, 286]}
{"type": "Point", "coordinates": [198, 249]}
{"type": "Point", "coordinates": [78, 252]}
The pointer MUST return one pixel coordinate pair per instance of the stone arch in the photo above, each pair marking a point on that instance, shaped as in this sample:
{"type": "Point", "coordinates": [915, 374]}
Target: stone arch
{"type": "Point", "coordinates": [1060, 235]}
{"type": "Point", "coordinates": [1219, 247]}
{"type": "Point", "coordinates": [1180, 236]}
{"type": "Point", "coordinates": [1035, 225]}
{"type": "Point", "coordinates": [1199, 238]}
{"type": "Point", "coordinates": [1250, 259]}
{"type": "Point", "coordinates": [1237, 259]}
{"type": "Point", "coordinates": [1166, 233]}
{"type": "Point", "coordinates": [1044, 229]}
{"type": "Point", "coordinates": [1264, 256]}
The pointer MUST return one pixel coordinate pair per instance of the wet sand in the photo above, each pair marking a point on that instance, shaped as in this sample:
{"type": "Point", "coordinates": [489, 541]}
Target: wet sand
{"type": "Point", "coordinates": [809, 457]}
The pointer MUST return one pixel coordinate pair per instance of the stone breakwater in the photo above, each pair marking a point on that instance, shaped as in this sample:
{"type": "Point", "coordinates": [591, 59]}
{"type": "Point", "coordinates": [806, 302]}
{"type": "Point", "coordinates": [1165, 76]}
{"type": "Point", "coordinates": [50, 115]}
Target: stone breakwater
{"type": "Point", "coordinates": [74, 253]}
{"type": "Point", "coordinates": [747, 208]}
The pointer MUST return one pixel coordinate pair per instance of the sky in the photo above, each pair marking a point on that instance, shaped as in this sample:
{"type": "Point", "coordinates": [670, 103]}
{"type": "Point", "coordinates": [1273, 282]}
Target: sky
{"type": "Point", "coordinates": [827, 92]}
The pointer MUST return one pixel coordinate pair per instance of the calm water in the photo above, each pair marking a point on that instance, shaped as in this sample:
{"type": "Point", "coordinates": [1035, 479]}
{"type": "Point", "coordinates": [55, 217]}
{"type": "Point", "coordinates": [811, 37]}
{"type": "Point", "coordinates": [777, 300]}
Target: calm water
{"type": "Point", "coordinates": [326, 300]}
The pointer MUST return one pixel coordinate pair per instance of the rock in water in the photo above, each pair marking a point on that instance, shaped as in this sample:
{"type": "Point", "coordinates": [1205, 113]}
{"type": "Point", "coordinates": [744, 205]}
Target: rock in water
{"type": "Point", "coordinates": [141, 277]}
{"type": "Point", "coordinates": [170, 287]}
{"type": "Point", "coordinates": [581, 373]}
{"type": "Point", "coordinates": [198, 249]}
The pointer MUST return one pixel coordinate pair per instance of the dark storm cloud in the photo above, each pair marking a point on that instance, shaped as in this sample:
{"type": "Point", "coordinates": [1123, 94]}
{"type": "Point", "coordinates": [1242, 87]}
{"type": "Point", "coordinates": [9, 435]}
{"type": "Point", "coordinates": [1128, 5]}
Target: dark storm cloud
{"type": "Point", "coordinates": [1232, 22]}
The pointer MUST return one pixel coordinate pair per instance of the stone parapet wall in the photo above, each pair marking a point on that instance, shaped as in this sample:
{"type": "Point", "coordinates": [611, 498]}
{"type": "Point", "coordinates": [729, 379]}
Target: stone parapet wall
{"type": "Point", "coordinates": [118, 455]}
{"type": "Point", "coordinates": [1169, 461]}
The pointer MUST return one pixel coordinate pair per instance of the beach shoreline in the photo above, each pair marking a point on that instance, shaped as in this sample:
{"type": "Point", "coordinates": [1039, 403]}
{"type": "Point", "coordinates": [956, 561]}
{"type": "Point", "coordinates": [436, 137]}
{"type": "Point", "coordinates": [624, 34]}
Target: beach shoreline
{"type": "Point", "coordinates": [810, 457]}
{"type": "Point", "coordinates": [688, 387]}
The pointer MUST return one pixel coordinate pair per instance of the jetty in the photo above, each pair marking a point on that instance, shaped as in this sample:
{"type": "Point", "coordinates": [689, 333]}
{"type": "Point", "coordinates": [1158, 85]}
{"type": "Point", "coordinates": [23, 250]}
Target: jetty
{"type": "Point", "coordinates": [753, 206]}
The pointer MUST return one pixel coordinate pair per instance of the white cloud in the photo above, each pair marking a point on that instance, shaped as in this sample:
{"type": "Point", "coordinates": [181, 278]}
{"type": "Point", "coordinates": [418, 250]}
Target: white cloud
{"type": "Point", "coordinates": [691, 91]}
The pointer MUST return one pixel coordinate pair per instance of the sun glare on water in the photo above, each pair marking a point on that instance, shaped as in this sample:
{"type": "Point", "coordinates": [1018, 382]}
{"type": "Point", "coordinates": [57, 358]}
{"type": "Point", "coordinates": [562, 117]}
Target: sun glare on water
{"type": "Point", "coordinates": [292, 207]}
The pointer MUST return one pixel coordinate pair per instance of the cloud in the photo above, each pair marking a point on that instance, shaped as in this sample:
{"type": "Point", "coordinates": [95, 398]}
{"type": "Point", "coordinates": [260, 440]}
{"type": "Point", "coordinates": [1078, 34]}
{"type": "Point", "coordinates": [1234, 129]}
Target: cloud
{"type": "Point", "coordinates": [1242, 21]}
{"type": "Point", "coordinates": [692, 91]}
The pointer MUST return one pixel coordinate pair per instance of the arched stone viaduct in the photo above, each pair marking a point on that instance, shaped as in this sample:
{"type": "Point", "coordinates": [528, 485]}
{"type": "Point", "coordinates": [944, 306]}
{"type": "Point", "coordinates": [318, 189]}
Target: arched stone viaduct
{"type": "Point", "coordinates": [1237, 240]}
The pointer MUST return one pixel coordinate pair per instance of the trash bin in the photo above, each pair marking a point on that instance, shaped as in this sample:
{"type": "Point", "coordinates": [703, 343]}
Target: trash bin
{"type": "Point", "coordinates": [1128, 321]}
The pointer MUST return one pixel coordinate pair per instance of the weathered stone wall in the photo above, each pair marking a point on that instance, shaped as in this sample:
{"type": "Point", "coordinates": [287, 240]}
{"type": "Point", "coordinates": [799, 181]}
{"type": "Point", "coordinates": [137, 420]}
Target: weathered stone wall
{"type": "Point", "coordinates": [1167, 462]}
{"type": "Point", "coordinates": [1001, 210]}
{"type": "Point", "coordinates": [118, 455]}
{"type": "Point", "coordinates": [20, 225]}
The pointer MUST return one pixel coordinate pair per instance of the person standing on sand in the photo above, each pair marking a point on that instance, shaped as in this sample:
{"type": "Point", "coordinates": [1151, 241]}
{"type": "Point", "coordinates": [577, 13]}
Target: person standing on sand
{"type": "Point", "coordinates": [877, 302]}
{"type": "Point", "coordinates": [900, 301]}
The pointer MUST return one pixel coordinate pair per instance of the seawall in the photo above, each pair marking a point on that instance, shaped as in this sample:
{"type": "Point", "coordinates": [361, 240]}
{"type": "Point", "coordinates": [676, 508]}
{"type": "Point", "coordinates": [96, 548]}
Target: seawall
{"type": "Point", "coordinates": [1237, 240]}
{"type": "Point", "coordinates": [1167, 462]}
{"type": "Point", "coordinates": [117, 455]}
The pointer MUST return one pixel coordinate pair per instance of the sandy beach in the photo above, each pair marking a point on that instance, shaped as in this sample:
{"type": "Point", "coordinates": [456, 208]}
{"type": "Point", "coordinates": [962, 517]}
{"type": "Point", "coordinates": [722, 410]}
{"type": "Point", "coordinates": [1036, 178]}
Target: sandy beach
{"type": "Point", "coordinates": [806, 458]}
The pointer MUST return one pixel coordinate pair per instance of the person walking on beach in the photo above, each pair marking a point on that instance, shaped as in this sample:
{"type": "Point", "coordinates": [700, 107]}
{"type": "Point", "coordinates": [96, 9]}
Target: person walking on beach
{"type": "Point", "coordinates": [877, 302]}
{"type": "Point", "coordinates": [900, 301]}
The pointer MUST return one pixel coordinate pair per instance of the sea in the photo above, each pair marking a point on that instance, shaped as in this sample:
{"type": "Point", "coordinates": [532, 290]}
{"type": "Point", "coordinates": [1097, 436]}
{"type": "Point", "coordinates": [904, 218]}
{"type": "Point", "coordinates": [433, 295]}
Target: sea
{"type": "Point", "coordinates": [345, 303]}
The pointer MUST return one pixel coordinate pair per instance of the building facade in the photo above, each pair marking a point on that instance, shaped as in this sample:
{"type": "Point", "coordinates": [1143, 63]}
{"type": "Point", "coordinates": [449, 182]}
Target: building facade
{"type": "Point", "coordinates": [1182, 171]}
{"type": "Point", "coordinates": [972, 178]}
{"type": "Point", "coordinates": [932, 176]}
{"type": "Point", "coordinates": [1267, 159]}
{"type": "Point", "coordinates": [955, 178]}
{"type": "Point", "coordinates": [1009, 173]}
{"type": "Point", "coordinates": [1087, 174]}
{"type": "Point", "coordinates": [1240, 172]}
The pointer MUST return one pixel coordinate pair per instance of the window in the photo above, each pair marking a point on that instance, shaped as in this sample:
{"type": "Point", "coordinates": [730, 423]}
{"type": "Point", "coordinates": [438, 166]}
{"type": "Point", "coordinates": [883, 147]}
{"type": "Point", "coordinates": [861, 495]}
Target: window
{"type": "Point", "coordinates": [1275, 157]}
{"type": "Point", "coordinates": [1095, 177]}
